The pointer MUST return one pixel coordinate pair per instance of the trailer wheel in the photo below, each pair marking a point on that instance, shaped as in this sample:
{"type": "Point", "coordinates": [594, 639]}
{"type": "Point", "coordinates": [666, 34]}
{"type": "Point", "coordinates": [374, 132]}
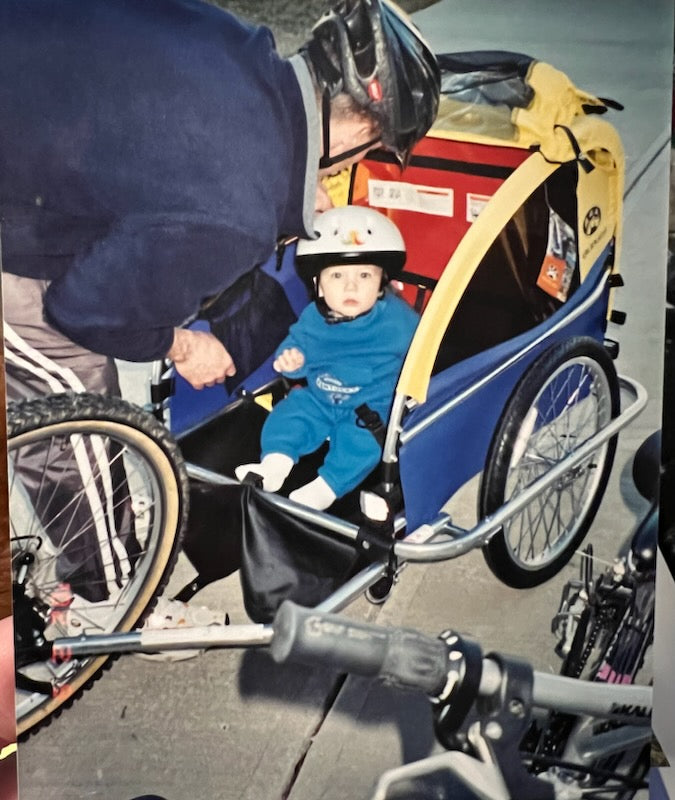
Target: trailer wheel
{"type": "Point", "coordinates": [568, 394]}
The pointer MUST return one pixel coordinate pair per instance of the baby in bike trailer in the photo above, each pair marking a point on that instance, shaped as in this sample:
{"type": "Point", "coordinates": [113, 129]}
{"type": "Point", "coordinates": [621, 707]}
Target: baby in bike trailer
{"type": "Point", "coordinates": [349, 344]}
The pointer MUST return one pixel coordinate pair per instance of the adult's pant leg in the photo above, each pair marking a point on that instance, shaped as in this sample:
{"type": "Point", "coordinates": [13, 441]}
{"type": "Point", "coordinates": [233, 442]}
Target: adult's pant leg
{"type": "Point", "coordinates": [39, 359]}
{"type": "Point", "coordinates": [76, 495]}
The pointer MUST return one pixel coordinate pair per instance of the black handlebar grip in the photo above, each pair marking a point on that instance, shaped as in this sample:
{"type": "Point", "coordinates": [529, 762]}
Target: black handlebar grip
{"type": "Point", "coordinates": [397, 656]}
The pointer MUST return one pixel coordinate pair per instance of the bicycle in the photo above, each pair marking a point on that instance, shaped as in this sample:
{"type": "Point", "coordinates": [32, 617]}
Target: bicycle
{"type": "Point", "coordinates": [483, 710]}
{"type": "Point", "coordinates": [605, 627]}
{"type": "Point", "coordinates": [83, 467]}
{"type": "Point", "coordinates": [590, 736]}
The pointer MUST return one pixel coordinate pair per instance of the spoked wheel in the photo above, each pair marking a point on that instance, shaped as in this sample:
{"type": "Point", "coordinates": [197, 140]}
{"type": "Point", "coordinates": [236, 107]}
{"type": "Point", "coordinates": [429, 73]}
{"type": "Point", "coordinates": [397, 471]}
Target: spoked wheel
{"type": "Point", "coordinates": [570, 393]}
{"type": "Point", "coordinates": [97, 499]}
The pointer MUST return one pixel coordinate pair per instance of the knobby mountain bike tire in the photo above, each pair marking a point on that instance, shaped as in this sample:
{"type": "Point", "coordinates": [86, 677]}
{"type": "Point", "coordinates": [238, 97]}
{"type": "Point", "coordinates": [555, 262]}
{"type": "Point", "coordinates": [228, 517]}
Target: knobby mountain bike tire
{"type": "Point", "coordinates": [98, 498]}
{"type": "Point", "coordinates": [568, 394]}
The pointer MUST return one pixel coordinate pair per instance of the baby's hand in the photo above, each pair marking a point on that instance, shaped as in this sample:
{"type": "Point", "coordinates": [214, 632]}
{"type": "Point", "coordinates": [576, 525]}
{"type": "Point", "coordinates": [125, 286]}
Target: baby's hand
{"type": "Point", "coordinates": [289, 360]}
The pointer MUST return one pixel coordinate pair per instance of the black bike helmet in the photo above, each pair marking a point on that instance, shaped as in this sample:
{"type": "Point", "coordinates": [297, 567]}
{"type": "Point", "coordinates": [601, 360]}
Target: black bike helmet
{"type": "Point", "coordinates": [370, 50]}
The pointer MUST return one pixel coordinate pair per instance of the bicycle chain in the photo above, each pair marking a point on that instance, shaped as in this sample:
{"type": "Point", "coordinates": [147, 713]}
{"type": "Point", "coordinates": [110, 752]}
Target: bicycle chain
{"type": "Point", "coordinates": [559, 723]}
{"type": "Point", "coordinates": [603, 616]}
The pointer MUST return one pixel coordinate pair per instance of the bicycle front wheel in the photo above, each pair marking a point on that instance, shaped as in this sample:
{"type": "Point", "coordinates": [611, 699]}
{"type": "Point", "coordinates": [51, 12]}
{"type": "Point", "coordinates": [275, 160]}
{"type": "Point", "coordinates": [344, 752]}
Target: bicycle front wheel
{"type": "Point", "coordinates": [98, 496]}
{"type": "Point", "coordinates": [570, 393]}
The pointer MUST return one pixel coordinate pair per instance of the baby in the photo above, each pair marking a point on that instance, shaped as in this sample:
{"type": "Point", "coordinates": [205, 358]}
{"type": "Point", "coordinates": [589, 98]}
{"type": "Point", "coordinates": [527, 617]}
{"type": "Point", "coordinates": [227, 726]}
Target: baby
{"type": "Point", "coordinates": [349, 344]}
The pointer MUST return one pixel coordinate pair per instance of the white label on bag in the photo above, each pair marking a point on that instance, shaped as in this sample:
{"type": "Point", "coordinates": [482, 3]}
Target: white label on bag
{"type": "Point", "coordinates": [411, 197]}
{"type": "Point", "coordinates": [475, 203]}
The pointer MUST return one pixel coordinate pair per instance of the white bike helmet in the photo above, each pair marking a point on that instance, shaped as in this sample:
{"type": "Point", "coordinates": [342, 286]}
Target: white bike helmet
{"type": "Point", "coordinates": [352, 235]}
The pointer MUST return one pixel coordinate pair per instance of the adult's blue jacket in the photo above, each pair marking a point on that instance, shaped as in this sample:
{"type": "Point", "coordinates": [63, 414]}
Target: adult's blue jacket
{"type": "Point", "coordinates": [151, 151]}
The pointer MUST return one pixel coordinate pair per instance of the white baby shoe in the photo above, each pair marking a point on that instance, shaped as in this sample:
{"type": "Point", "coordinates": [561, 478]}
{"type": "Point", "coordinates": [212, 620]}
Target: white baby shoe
{"type": "Point", "coordinates": [273, 469]}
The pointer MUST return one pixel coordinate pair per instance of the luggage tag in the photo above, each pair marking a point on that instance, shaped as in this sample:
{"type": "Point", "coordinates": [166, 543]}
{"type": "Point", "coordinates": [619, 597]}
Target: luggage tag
{"type": "Point", "coordinates": [560, 261]}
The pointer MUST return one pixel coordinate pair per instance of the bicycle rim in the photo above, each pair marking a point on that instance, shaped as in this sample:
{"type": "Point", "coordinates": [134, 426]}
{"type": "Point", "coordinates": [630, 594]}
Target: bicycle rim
{"type": "Point", "coordinates": [96, 506]}
{"type": "Point", "coordinates": [541, 532]}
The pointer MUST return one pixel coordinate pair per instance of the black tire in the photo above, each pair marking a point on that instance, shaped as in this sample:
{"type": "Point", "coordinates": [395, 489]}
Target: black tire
{"type": "Point", "coordinates": [98, 498]}
{"type": "Point", "coordinates": [533, 435]}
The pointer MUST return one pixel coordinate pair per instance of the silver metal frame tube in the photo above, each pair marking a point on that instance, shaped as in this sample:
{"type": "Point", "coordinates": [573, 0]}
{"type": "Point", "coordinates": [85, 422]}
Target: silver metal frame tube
{"type": "Point", "coordinates": [478, 536]}
{"type": "Point", "coordinates": [629, 703]}
{"type": "Point", "coordinates": [462, 541]}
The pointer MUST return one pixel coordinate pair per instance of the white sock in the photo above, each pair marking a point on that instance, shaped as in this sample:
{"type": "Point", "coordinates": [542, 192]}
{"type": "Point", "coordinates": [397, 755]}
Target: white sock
{"type": "Point", "coordinates": [317, 495]}
{"type": "Point", "coordinates": [273, 469]}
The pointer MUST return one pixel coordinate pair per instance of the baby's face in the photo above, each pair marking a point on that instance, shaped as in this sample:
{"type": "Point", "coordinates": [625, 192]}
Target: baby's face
{"type": "Point", "coordinates": [350, 289]}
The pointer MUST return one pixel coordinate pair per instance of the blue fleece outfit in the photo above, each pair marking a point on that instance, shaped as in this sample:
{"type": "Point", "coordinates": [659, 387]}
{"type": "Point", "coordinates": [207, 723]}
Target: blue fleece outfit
{"type": "Point", "coordinates": [151, 152]}
{"type": "Point", "coordinates": [346, 364]}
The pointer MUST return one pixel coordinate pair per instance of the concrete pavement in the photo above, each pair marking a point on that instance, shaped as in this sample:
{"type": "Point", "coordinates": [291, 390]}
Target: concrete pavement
{"type": "Point", "coordinates": [233, 726]}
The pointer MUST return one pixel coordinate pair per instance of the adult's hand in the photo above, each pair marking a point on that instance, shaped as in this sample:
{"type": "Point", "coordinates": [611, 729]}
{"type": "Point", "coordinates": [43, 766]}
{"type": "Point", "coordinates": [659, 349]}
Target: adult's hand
{"type": "Point", "coordinates": [200, 358]}
{"type": "Point", "coordinates": [7, 724]}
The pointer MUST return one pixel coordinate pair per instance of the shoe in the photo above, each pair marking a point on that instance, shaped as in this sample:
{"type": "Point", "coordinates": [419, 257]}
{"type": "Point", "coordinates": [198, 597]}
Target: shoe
{"type": "Point", "coordinates": [71, 615]}
{"type": "Point", "coordinates": [170, 613]}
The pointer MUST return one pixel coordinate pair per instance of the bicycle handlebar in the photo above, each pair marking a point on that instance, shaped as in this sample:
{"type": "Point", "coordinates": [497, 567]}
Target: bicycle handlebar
{"type": "Point", "coordinates": [450, 669]}
{"type": "Point", "coordinates": [398, 656]}
{"type": "Point", "coordinates": [441, 667]}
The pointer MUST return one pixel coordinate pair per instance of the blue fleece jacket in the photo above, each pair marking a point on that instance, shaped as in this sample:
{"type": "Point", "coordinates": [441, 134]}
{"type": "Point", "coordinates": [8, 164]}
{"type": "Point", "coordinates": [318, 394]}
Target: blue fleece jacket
{"type": "Point", "coordinates": [355, 362]}
{"type": "Point", "coordinates": [151, 151]}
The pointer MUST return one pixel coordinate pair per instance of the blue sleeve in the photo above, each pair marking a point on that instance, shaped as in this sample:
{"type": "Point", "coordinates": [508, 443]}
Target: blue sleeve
{"type": "Point", "coordinates": [126, 295]}
{"type": "Point", "coordinates": [298, 335]}
{"type": "Point", "coordinates": [404, 321]}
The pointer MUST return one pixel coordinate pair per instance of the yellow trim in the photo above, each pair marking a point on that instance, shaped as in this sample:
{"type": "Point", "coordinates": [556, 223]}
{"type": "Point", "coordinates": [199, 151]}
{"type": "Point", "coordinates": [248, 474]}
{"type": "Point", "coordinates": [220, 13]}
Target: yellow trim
{"type": "Point", "coordinates": [337, 186]}
{"type": "Point", "coordinates": [556, 101]}
{"type": "Point", "coordinates": [600, 144]}
{"type": "Point", "coordinates": [8, 750]}
{"type": "Point", "coordinates": [416, 372]}
{"type": "Point", "coordinates": [264, 401]}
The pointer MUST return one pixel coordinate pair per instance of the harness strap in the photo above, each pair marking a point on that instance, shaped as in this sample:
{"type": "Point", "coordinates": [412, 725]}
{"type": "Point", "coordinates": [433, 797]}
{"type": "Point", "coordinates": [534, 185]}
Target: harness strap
{"type": "Point", "coordinates": [371, 420]}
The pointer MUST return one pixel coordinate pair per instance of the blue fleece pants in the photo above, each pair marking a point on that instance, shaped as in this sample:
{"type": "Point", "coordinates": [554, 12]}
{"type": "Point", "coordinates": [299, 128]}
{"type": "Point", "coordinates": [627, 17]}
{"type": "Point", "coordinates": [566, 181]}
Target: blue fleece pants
{"type": "Point", "coordinates": [300, 423]}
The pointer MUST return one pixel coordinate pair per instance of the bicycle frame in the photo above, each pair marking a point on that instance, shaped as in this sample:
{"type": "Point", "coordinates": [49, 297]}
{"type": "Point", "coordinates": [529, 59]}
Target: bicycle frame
{"type": "Point", "coordinates": [586, 744]}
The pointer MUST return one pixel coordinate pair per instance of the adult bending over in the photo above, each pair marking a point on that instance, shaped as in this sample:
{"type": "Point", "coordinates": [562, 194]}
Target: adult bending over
{"type": "Point", "coordinates": [153, 151]}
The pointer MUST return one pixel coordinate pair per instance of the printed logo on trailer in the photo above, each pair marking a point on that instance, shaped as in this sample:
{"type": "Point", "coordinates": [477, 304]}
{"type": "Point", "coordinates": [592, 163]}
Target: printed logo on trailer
{"type": "Point", "coordinates": [592, 221]}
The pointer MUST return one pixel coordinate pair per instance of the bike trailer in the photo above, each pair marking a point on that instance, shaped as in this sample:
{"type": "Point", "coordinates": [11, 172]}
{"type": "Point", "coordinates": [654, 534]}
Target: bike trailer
{"type": "Point", "coordinates": [511, 210]}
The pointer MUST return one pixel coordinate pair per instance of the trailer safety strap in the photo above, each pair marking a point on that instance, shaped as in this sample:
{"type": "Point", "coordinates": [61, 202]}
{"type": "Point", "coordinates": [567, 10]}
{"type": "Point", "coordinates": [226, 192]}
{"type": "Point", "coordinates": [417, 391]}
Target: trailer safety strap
{"type": "Point", "coordinates": [371, 420]}
{"type": "Point", "coordinates": [585, 163]}
{"type": "Point", "coordinates": [376, 540]}
{"type": "Point", "coordinates": [159, 392]}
